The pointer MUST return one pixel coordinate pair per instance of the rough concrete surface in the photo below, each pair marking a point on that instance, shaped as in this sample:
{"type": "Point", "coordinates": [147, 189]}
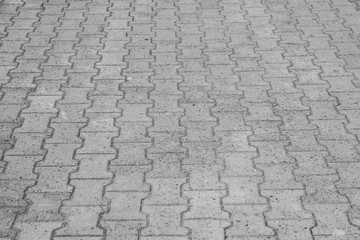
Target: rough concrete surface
{"type": "Point", "coordinates": [179, 120]}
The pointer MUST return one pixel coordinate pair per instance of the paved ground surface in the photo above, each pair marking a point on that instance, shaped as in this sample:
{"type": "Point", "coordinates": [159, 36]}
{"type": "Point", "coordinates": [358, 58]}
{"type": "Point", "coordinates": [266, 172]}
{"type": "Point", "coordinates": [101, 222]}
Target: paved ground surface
{"type": "Point", "coordinates": [179, 120]}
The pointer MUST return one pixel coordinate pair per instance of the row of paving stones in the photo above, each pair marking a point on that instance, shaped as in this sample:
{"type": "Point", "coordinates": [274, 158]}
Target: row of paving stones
{"type": "Point", "coordinates": [178, 120]}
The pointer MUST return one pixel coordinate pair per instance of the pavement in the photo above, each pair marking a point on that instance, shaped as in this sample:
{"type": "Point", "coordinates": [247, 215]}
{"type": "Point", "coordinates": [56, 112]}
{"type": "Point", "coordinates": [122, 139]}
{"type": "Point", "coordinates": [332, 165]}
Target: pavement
{"type": "Point", "coordinates": [179, 120]}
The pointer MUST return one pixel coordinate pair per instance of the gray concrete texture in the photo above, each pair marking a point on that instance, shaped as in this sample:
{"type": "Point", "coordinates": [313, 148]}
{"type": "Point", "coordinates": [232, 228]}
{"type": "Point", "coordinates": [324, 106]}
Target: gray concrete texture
{"type": "Point", "coordinates": [179, 120]}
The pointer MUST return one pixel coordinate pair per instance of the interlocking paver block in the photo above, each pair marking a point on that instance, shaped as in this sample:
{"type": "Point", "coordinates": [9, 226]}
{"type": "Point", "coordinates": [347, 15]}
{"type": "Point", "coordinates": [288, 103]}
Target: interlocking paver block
{"type": "Point", "coordinates": [179, 120]}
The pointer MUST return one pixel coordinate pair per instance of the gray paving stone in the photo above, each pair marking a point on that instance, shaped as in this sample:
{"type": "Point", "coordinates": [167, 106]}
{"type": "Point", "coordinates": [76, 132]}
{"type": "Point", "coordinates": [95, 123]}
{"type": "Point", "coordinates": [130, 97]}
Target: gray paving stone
{"type": "Point", "coordinates": [179, 120]}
